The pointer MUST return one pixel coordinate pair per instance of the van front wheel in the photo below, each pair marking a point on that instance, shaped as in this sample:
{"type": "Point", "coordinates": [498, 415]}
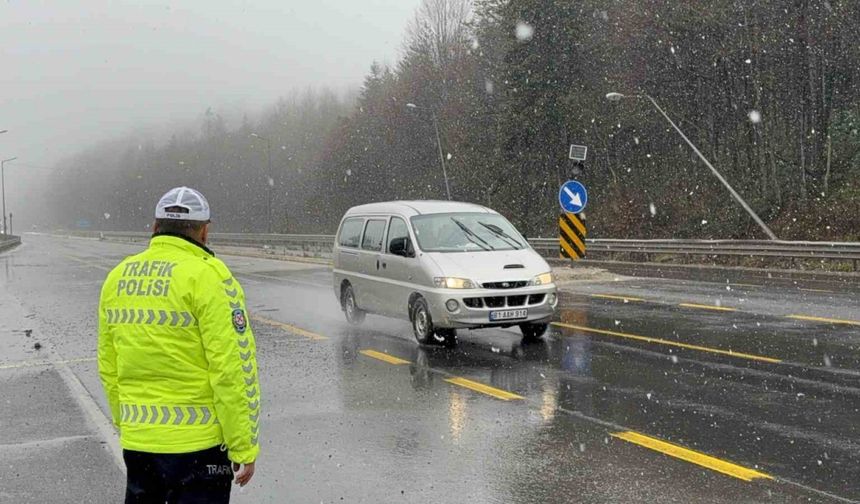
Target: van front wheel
{"type": "Point", "coordinates": [422, 322]}
{"type": "Point", "coordinates": [425, 332]}
{"type": "Point", "coordinates": [354, 314]}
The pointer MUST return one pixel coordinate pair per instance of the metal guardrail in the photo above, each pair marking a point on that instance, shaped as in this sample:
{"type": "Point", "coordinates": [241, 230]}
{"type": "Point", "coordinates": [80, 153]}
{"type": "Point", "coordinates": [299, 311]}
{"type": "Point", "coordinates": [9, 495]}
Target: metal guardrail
{"type": "Point", "coordinates": [9, 241]}
{"type": "Point", "coordinates": [320, 246]}
{"type": "Point", "coordinates": [843, 251]}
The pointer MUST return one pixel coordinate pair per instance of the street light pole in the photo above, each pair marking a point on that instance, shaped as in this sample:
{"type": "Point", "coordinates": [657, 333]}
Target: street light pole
{"type": "Point", "coordinates": [270, 181]}
{"type": "Point", "coordinates": [3, 187]}
{"type": "Point", "coordinates": [738, 198]}
{"type": "Point", "coordinates": [438, 145]}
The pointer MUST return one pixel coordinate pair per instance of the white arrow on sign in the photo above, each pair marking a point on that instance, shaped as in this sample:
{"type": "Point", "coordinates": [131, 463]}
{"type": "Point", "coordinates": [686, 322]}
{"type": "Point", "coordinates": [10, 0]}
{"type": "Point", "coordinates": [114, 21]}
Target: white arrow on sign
{"type": "Point", "coordinates": [574, 197]}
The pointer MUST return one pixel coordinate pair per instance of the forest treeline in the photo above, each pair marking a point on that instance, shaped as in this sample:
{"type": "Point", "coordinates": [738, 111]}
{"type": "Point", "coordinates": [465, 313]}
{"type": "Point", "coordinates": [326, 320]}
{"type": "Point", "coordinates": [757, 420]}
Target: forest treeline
{"type": "Point", "coordinates": [769, 91]}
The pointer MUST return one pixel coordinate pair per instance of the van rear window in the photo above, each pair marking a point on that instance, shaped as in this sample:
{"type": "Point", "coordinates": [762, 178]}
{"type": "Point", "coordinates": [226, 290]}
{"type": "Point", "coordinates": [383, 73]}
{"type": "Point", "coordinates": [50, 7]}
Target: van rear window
{"type": "Point", "coordinates": [350, 232]}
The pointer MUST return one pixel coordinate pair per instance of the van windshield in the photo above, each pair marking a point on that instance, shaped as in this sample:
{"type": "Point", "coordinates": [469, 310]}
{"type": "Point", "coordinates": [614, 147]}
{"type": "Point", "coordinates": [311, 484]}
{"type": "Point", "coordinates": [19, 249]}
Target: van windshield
{"type": "Point", "coordinates": [466, 232]}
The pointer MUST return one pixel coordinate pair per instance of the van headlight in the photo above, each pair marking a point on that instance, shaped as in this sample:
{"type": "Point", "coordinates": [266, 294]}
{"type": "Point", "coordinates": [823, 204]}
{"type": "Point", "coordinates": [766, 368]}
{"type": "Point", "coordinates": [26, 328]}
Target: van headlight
{"type": "Point", "coordinates": [542, 279]}
{"type": "Point", "coordinates": [454, 283]}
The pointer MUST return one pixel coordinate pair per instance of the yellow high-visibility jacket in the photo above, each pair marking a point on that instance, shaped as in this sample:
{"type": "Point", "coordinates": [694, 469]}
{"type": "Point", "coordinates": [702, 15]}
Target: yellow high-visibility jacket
{"type": "Point", "coordinates": [176, 353]}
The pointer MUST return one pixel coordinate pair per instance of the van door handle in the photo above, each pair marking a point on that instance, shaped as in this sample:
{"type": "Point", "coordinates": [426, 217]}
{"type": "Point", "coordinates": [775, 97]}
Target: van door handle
{"type": "Point", "coordinates": [377, 264]}
{"type": "Point", "coordinates": [383, 265]}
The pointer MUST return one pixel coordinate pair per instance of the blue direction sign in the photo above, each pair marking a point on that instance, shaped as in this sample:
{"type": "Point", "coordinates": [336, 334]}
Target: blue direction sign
{"type": "Point", "coordinates": [573, 197]}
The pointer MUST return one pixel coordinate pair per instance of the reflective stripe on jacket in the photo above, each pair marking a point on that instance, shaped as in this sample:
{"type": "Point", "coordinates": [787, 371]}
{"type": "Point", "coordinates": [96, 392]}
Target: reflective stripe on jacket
{"type": "Point", "coordinates": [176, 353]}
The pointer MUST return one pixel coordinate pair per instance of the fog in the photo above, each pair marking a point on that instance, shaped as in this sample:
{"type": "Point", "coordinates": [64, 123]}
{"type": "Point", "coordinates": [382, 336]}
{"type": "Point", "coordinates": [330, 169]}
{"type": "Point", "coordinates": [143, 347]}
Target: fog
{"type": "Point", "coordinates": [76, 73]}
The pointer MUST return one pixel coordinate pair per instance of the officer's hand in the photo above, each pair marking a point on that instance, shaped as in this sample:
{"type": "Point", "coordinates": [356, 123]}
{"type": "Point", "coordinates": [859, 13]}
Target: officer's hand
{"type": "Point", "coordinates": [243, 475]}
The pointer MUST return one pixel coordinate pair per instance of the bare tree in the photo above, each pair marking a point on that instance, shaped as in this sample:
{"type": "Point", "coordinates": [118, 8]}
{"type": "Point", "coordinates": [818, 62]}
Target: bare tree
{"type": "Point", "coordinates": [440, 31]}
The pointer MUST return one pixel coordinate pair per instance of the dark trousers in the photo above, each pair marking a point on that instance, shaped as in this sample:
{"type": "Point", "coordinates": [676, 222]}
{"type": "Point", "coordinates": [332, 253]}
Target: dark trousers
{"type": "Point", "coordinates": [182, 478]}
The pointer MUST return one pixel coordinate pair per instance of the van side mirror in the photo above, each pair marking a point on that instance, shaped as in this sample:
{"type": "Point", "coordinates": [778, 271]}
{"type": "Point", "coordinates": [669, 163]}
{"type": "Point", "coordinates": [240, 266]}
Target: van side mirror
{"type": "Point", "coordinates": [401, 247]}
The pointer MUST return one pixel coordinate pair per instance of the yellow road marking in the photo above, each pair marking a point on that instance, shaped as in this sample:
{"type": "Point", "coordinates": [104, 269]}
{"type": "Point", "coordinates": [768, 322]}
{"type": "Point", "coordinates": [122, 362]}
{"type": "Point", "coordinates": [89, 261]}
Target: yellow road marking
{"type": "Point", "coordinates": [298, 331]}
{"type": "Point", "coordinates": [691, 456]}
{"type": "Point", "coordinates": [746, 285]}
{"type": "Point", "coordinates": [617, 298]}
{"type": "Point", "coordinates": [484, 389]}
{"type": "Point", "coordinates": [707, 307]}
{"type": "Point", "coordinates": [37, 363]}
{"type": "Point", "coordinates": [824, 319]}
{"type": "Point", "coordinates": [384, 357]}
{"type": "Point", "coordinates": [659, 341]}
{"type": "Point", "coordinates": [816, 290]}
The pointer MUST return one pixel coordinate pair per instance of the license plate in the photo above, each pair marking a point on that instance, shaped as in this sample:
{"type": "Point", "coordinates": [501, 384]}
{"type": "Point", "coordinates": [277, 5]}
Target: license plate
{"type": "Point", "coordinates": [508, 315]}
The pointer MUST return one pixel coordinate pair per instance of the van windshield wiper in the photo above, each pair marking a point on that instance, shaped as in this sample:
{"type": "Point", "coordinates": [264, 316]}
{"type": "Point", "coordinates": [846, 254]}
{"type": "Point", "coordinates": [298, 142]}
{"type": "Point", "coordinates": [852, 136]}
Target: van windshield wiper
{"type": "Point", "coordinates": [496, 230]}
{"type": "Point", "coordinates": [471, 235]}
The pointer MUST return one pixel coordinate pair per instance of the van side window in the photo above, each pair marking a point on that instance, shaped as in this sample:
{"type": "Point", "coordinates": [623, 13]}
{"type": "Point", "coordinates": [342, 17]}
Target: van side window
{"type": "Point", "coordinates": [373, 233]}
{"type": "Point", "coordinates": [397, 229]}
{"type": "Point", "coordinates": [350, 232]}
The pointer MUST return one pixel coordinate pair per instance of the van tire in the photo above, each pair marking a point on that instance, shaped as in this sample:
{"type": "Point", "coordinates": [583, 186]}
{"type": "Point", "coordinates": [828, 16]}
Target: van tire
{"type": "Point", "coordinates": [532, 331]}
{"type": "Point", "coordinates": [422, 322]}
{"type": "Point", "coordinates": [354, 314]}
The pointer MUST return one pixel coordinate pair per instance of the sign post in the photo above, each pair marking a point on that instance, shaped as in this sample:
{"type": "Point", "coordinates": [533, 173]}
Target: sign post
{"type": "Point", "coordinates": [572, 197]}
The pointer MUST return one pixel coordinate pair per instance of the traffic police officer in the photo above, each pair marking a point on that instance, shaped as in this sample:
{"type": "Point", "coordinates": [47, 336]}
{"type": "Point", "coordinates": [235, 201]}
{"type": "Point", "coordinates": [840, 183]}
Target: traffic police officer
{"type": "Point", "coordinates": [177, 360]}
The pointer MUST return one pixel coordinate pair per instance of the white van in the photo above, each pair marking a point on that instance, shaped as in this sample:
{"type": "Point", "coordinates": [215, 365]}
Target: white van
{"type": "Point", "coordinates": [443, 266]}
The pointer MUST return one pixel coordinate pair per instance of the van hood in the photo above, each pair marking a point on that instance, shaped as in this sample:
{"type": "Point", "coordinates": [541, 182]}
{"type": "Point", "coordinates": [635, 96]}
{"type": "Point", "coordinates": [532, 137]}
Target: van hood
{"type": "Point", "coordinates": [489, 266]}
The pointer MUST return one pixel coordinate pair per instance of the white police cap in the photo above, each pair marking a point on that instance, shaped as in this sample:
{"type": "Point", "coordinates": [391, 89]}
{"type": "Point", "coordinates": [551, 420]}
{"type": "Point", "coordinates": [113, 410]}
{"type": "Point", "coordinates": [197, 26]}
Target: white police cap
{"type": "Point", "coordinates": [184, 203]}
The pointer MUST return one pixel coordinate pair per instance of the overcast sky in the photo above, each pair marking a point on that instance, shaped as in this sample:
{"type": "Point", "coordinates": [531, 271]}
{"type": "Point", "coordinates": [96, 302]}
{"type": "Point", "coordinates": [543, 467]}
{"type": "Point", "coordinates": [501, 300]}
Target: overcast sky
{"type": "Point", "coordinates": [76, 72]}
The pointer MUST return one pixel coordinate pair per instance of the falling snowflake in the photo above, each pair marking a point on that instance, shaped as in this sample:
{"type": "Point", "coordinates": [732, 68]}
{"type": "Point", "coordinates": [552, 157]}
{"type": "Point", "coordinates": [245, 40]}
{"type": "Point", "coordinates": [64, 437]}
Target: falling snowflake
{"type": "Point", "coordinates": [524, 32]}
{"type": "Point", "coordinates": [271, 182]}
{"type": "Point", "coordinates": [448, 157]}
{"type": "Point", "coordinates": [755, 116]}
{"type": "Point", "coordinates": [107, 216]}
{"type": "Point", "coordinates": [652, 209]}
{"type": "Point", "coordinates": [703, 220]}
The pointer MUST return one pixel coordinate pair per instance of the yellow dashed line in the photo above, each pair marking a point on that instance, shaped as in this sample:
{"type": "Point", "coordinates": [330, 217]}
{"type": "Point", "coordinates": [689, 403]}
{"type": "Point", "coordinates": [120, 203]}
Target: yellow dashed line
{"type": "Point", "coordinates": [616, 298]}
{"type": "Point", "coordinates": [691, 456]}
{"type": "Point", "coordinates": [678, 344]}
{"type": "Point", "coordinates": [707, 307]}
{"type": "Point", "coordinates": [824, 319]}
{"type": "Point", "coordinates": [384, 357]}
{"type": "Point", "coordinates": [484, 389]}
{"type": "Point", "coordinates": [289, 328]}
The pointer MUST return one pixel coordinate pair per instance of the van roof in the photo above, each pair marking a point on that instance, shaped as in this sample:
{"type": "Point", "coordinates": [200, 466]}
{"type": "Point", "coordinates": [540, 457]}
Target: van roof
{"type": "Point", "coordinates": [421, 207]}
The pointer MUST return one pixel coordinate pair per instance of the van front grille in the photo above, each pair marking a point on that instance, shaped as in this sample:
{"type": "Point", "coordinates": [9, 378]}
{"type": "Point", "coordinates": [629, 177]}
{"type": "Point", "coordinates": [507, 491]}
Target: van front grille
{"type": "Point", "coordinates": [495, 302]}
{"type": "Point", "coordinates": [504, 301]}
{"type": "Point", "coordinates": [536, 298]}
{"type": "Point", "coordinates": [473, 302]}
{"type": "Point", "coordinates": [516, 300]}
{"type": "Point", "coordinates": [514, 284]}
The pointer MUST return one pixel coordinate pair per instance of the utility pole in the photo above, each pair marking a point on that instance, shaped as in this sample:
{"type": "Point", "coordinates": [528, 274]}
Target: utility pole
{"type": "Point", "coordinates": [749, 210]}
{"type": "Point", "coordinates": [438, 144]}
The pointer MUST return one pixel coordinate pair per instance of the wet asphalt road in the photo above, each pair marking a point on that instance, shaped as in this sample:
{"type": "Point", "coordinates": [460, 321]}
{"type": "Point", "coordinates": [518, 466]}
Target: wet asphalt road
{"type": "Point", "coordinates": [366, 415]}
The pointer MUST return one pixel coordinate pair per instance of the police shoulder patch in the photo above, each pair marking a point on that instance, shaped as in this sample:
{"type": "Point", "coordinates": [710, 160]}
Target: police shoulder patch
{"type": "Point", "coordinates": [239, 320]}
